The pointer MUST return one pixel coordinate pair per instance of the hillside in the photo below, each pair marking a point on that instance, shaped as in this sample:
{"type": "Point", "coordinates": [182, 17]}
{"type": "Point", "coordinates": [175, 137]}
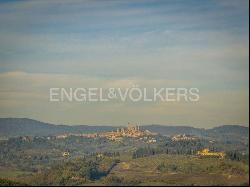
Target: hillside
{"type": "Point", "coordinates": [29, 127]}
{"type": "Point", "coordinates": [172, 130]}
{"type": "Point", "coordinates": [230, 129]}
{"type": "Point", "coordinates": [170, 170]}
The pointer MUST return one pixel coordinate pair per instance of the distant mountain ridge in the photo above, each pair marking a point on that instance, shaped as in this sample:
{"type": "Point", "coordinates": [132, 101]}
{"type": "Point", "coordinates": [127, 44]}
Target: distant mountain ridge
{"type": "Point", "coordinates": [28, 127]}
{"type": "Point", "coordinates": [171, 130]}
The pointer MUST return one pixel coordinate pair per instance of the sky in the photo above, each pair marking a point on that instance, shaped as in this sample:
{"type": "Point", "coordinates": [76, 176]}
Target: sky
{"type": "Point", "coordinates": [115, 43]}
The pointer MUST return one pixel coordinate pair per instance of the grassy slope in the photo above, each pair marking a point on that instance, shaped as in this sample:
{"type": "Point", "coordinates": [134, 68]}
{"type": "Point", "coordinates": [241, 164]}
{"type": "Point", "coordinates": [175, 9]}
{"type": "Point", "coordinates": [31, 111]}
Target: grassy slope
{"type": "Point", "coordinates": [187, 170]}
{"type": "Point", "coordinates": [10, 173]}
{"type": "Point", "coordinates": [177, 170]}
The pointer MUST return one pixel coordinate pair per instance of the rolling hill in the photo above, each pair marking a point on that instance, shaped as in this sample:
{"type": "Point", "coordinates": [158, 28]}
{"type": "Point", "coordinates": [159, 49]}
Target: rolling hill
{"type": "Point", "coordinates": [29, 127]}
{"type": "Point", "coordinates": [23, 126]}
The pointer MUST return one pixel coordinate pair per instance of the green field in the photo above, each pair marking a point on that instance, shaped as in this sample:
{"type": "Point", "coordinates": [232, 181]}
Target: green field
{"type": "Point", "coordinates": [178, 170]}
{"type": "Point", "coordinates": [153, 170]}
{"type": "Point", "coordinates": [11, 174]}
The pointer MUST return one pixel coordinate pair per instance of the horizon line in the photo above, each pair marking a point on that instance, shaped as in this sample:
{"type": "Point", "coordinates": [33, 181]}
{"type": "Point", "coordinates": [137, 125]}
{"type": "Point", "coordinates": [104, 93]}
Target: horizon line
{"type": "Point", "coordinates": [143, 125]}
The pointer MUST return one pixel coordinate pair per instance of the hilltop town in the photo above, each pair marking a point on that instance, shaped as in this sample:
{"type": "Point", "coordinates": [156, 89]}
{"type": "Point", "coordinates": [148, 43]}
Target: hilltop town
{"type": "Point", "coordinates": [131, 131]}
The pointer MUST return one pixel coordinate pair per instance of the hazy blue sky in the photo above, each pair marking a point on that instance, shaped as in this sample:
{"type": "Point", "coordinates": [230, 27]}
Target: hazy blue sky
{"type": "Point", "coordinates": [186, 43]}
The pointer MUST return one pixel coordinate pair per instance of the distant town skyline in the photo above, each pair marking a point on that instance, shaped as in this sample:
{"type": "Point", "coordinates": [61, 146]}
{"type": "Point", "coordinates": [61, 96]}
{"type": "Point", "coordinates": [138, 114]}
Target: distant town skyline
{"type": "Point", "coordinates": [163, 43]}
